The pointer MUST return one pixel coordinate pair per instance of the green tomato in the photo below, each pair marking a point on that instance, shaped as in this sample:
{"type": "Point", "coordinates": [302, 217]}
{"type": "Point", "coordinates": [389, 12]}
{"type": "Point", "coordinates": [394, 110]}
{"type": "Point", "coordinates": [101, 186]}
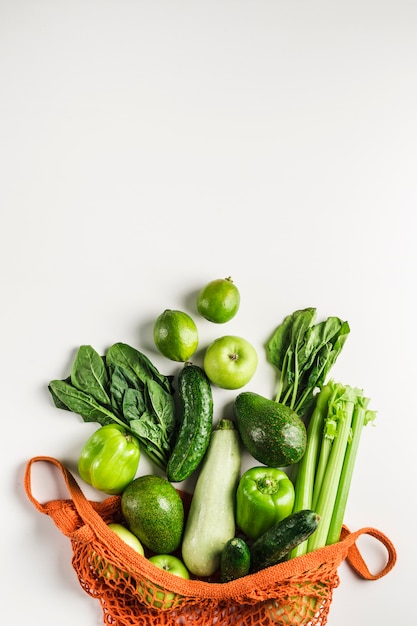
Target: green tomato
{"type": "Point", "coordinates": [109, 459]}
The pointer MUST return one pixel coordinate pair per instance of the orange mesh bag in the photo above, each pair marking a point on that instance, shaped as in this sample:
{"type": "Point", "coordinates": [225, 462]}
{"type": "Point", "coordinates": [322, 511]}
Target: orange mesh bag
{"type": "Point", "coordinates": [134, 592]}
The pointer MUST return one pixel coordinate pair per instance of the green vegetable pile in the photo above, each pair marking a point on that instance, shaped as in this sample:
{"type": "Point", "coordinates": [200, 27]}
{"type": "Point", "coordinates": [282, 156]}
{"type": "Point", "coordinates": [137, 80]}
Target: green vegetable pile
{"type": "Point", "coordinates": [313, 425]}
{"type": "Point", "coordinates": [304, 353]}
{"type": "Point", "coordinates": [125, 388]}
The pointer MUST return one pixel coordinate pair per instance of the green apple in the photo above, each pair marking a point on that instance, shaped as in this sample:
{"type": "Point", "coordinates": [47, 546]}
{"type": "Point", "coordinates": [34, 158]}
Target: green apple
{"type": "Point", "coordinates": [230, 362]}
{"type": "Point", "coordinates": [106, 569]}
{"type": "Point", "coordinates": [170, 563]}
{"type": "Point", "coordinates": [128, 537]}
{"type": "Point", "coordinates": [156, 596]}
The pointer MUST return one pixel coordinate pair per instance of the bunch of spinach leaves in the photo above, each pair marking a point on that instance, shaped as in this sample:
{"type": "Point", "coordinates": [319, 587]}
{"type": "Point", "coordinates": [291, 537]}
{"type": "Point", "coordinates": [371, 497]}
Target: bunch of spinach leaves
{"type": "Point", "coordinates": [123, 387]}
{"type": "Point", "coordinates": [304, 352]}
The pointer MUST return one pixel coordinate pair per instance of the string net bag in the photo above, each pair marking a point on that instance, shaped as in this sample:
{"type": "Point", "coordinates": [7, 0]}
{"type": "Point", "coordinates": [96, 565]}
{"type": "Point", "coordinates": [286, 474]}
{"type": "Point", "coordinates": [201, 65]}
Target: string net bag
{"type": "Point", "coordinates": [132, 591]}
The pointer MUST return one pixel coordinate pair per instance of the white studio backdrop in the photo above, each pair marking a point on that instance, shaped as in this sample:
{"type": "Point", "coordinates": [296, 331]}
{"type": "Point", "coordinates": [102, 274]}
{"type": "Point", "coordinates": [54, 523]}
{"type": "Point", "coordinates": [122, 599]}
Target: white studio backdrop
{"type": "Point", "coordinates": [147, 148]}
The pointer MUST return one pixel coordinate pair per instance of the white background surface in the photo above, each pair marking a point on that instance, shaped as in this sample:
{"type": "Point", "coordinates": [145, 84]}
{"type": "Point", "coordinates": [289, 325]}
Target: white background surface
{"type": "Point", "coordinates": [149, 147]}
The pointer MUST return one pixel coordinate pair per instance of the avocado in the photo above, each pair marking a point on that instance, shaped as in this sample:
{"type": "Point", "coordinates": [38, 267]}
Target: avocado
{"type": "Point", "coordinates": [271, 432]}
{"type": "Point", "coordinates": [154, 512]}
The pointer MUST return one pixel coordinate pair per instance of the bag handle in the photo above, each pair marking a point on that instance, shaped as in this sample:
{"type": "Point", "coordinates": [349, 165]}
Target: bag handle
{"type": "Point", "coordinates": [355, 558]}
{"type": "Point", "coordinates": [56, 508]}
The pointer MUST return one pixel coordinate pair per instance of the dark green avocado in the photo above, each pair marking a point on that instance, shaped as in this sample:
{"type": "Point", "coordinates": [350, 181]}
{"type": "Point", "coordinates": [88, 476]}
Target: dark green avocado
{"type": "Point", "coordinates": [271, 432]}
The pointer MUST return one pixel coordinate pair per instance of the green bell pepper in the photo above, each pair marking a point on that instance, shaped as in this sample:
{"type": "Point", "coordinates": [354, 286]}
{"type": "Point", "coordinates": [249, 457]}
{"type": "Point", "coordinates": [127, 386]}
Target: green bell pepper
{"type": "Point", "coordinates": [264, 496]}
{"type": "Point", "coordinates": [109, 459]}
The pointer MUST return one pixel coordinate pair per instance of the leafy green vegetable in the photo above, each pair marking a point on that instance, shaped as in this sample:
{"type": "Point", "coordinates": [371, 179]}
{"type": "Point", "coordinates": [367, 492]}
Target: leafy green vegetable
{"type": "Point", "coordinates": [133, 405]}
{"type": "Point", "coordinates": [123, 387]}
{"type": "Point", "coordinates": [89, 374]}
{"type": "Point", "coordinates": [304, 352]}
{"type": "Point", "coordinates": [325, 471]}
{"type": "Point", "coordinates": [120, 382]}
{"type": "Point", "coordinates": [361, 417]}
{"type": "Point", "coordinates": [136, 364]}
{"type": "Point", "coordinates": [162, 404]}
{"type": "Point", "coordinates": [80, 402]}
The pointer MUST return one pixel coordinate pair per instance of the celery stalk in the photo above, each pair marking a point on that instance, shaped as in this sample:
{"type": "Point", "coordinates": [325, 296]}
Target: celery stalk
{"type": "Point", "coordinates": [342, 408]}
{"type": "Point", "coordinates": [304, 482]}
{"type": "Point", "coordinates": [361, 417]}
{"type": "Point", "coordinates": [329, 433]}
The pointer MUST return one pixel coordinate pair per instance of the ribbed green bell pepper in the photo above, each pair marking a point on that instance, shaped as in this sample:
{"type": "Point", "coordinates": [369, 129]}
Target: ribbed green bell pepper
{"type": "Point", "coordinates": [265, 495]}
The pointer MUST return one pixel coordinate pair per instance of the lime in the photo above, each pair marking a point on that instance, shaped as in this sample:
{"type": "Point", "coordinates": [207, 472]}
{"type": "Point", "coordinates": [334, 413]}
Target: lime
{"type": "Point", "coordinates": [219, 300]}
{"type": "Point", "coordinates": [175, 335]}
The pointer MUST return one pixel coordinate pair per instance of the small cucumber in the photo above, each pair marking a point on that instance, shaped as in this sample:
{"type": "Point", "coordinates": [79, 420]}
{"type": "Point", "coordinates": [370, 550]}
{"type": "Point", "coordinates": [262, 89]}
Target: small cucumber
{"type": "Point", "coordinates": [274, 545]}
{"type": "Point", "coordinates": [234, 560]}
{"type": "Point", "coordinates": [196, 399]}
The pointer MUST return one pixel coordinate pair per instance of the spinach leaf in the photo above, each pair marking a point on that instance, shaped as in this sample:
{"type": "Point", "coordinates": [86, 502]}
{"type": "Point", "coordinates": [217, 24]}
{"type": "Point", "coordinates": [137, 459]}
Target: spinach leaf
{"type": "Point", "coordinates": [304, 352]}
{"type": "Point", "coordinates": [321, 334]}
{"type": "Point", "coordinates": [57, 401]}
{"type": "Point", "coordinates": [333, 348]}
{"type": "Point", "coordinates": [163, 407]}
{"type": "Point", "coordinates": [280, 341]}
{"type": "Point", "coordinates": [286, 349]}
{"type": "Point", "coordinates": [142, 422]}
{"type": "Point", "coordinates": [296, 363]}
{"type": "Point", "coordinates": [145, 429]}
{"type": "Point", "coordinates": [120, 381]}
{"type": "Point", "coordinates": [136, 363]}
{"type": "Point", "coordinates": [80, 402]}
{"type": "Point", "coordinates": [89, 374]}
{"type": "Point", "coordinates": [134, 406]}
{"type": "Point", "coordinates": [324, 343]}
{"type": "Point", "coordinates": [146, 432]}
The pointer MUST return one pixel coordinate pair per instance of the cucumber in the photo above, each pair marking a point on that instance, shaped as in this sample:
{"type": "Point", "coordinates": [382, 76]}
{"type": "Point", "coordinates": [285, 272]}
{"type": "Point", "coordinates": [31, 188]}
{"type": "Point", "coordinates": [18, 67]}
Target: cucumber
{"type": "Point", "coordinates": [234, 560]}
{"type": "Point", "coordinates": [211, 519]}
{"type": "Point", "coordinates": [196, 399]}
{"type": "Point", "coordinates": [274, 545]}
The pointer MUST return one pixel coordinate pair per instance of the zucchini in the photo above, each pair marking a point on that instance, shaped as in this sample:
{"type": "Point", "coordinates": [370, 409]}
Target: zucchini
{"type": "Point", "coordinates": [195, 395]}
{"type": "Point", "coordinates": [211, 519]}
{"type": "Point", "coordinates": [234, 560]}
{"type": "Point", "coordinates": [274, 545]}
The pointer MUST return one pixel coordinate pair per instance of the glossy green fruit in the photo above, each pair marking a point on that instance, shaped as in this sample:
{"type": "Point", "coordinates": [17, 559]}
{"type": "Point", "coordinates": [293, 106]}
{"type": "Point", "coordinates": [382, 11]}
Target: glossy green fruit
{"type": "Point", "coordinates": [127, 536]}
{"type": "Point", "coordinates": [154, 512]}
{"type": "Point", "coordinates": [170, 563]}
{"type": "Point", "coordinates": [271, 432]}
{"type": "Point", "coordinates": [175, 335]}
{"type": "Point", "coordinates": [230, 362]}
{"type": "Point", "coordinates": [154, 595]}
{"type": "Point", "coordinates": [219, 300]}
{"type": "Point", "coordinates": [109, 459]}
{"type": "Point", "coordinates": [234, 560]}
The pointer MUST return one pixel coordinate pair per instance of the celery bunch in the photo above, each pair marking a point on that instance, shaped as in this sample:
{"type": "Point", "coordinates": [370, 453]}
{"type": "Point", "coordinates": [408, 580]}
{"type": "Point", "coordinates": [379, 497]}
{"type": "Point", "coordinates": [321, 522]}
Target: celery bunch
{"type": "Point", "coordinates": [325, 472]}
